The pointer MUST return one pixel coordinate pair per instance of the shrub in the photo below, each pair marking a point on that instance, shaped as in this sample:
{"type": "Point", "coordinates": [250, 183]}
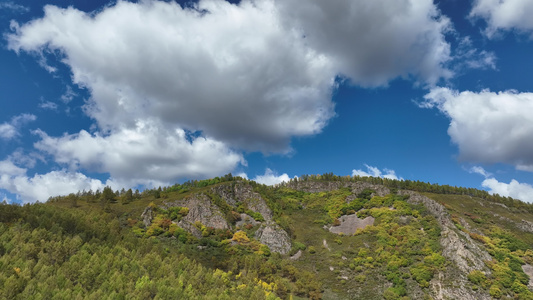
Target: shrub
{"type": "Point", "coordinates": [495, 291]}
{"type": "Point", "coordinates": [477, 277]}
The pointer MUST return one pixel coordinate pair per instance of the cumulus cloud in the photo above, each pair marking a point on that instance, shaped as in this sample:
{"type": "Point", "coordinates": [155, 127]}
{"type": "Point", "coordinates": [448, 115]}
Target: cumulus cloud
{"type": "Point", "coordinates": [488, 127]}
{"type": "Point", "coordinates": [514, 189]}
{"type": "Point", "coordinates": [9, 130]}
{"type": "Point", "coordinates": [247, 76]}
{"type": "Point", "coordinates": [372, 42]}
{"type": "Point", "coordinates": [504, 15]}
{"type": "Point", "coordinates": [210, 68]}
{"type": "Point", "coordinates": [40, 187]}
{"type": "Point", "coordinates": [148, 154]}
{"type": "Point", "coordinates": [271, 178]}
{"type": "Point", "coordinates": [375, 172]}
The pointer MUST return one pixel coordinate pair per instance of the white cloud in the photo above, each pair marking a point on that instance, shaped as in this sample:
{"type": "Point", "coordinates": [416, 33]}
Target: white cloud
{"type": "Point", "coordinates": [271, 178]}
{"type": "Point", "coordinates": [48, 105]}
{"type": "Point", "coordinates": [481, 171]}
{"type": "Point", "coordinates": [488, 127]}
{"type": "Point", "coordinates": [68, 95]}
{"type": "Point", "coordinates": [214, 71]}
{"type": "Point", "coordinates": [5, 199]}
{"type": "Point", "coordinates": [9, 5]}
{"type": "Point", "coordinates": [243, 175]}
{"type": "Point", "coordinates": [148, 154]}
{"type": "Point", "coordinates": [247, 77]}
{"type": "Point", "coordinates": [9, 130]}
{"type": "Point", "coordinates": [42, 186]}
{"type": "Point", "coordinates": [514, 189]}
{"type": "Point", "coordinates": [211, 68]}
{"type": "Point", "coordinates": [504, 15]}
{"type": "Point", "coordinates": [468, 57]}
{"type": "Point", "coordinates": [375, 172]}
{"type": "Point", "coordinates": [372, 42]}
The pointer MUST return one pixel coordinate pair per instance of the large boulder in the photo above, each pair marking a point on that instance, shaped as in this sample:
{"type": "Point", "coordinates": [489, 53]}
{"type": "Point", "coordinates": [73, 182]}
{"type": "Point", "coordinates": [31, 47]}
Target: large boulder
{"type": "Point", "coordinates": [272, 235]}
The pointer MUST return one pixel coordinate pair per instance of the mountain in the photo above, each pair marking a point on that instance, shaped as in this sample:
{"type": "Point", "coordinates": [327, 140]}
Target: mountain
{"type": "Point", "coordinates": [315, 237]}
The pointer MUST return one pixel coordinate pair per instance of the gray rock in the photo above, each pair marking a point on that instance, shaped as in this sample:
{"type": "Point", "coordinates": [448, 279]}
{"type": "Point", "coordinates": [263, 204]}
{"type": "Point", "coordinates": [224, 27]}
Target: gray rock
{"type": "Point", "coordinates": [350, 224]}
{"type": "Point", "coordinates": [525, 226]}
{"type": "Point", "coordinates": [147, 216]}
{"type": "Point", "coordinates": [297, 255]}
{"type": "Point", "coordinates": [272, 235]}
{"type": "Point", "coordinates": [528, 269]}
{"type": "Point", "coordinates": [254, 201]}
{"type": "Point", "coordinates": [190, 228]}
{"type": "Point", "coordinates": [225, 192]}
{"type": "Point", "coordinates": [246, 219]}
{"type": "Point", "coordinates": [202, 210]}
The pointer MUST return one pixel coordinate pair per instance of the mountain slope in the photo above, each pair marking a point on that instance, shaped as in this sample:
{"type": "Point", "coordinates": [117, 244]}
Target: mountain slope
{"type": "Point", "coordinates": [316, 237]}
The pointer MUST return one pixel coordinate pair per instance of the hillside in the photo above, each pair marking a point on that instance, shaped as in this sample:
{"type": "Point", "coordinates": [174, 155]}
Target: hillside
{"type": "Point", "coordinates": [318, 237]}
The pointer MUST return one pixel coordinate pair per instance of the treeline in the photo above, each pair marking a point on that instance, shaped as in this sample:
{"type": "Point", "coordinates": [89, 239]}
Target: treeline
{"type": "Point", "coordinates": [125, 196]}
{"type": "Point", "coordinates": [423, 187]}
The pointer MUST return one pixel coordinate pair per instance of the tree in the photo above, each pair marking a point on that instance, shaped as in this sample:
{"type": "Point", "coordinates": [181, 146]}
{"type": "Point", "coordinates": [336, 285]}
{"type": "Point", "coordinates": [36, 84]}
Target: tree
{"type": "Point", "coordinates": [127, 197]}
{"type": "Point", "coordinates": [108, 196]}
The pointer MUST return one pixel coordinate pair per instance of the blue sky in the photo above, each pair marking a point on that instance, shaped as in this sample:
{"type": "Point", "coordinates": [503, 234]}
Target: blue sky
{"type": "Point", "coordinates": [150, 93]}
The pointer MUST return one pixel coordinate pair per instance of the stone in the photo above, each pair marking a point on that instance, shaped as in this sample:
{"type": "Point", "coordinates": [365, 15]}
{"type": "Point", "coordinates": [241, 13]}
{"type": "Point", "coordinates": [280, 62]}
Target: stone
{"type": "Point", "coordinates": [272, 235]}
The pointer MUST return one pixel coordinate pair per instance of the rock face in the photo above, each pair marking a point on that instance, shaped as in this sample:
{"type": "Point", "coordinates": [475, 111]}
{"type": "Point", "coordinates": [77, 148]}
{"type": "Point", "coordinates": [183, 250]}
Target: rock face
{"type": "Point", "coordinates": [246, 219]}
{"type": "Point", "coordinates": [147, 216]}
{"type": "Point", "coordinates": [350, 224]}
{"type": "Point", "coordinates": [274, 237]}
{"type": "Point", "coordinates": [528, 269]}
{"type": "Point", "coordinates": [525, 226]}
{"type": "Point", "coordinates": [203, 210]}
{"type": "Point", "coordinates": [245, 193]}
{"type": "Point", "coordinates": [459, 248]}
{"type": "Point", "coordinates": [242, 193]}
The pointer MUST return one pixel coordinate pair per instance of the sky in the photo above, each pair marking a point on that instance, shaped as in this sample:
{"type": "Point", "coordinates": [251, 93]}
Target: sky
{"type": "Point", "coordinates": [141, 94]}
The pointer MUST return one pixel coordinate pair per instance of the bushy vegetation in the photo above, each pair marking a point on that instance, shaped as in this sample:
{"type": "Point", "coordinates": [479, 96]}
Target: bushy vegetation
{"type": "Point", "coordinates": [48, 252]}
{"type": "Point", "coordinates": [94, 244]}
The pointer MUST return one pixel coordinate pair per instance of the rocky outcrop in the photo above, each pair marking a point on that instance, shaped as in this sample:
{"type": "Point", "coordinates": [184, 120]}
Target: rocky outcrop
{"type": "Point", "coordinates": [246, 219]}
{"type": "Point", "coordinates": [254, 201]}
{"type": "Point", "coordinates": [190, 228]}
{"type": "Point", "coordinates": [272, 235]}
{"type": "Point", "coordinates": [147, 216]}
{"type": "Point", "coordinates": [525, 226]}
{"type": "Point", "coordinates": [296, 256]}
{"type": "Point", "coordinates": [239, 192]}
{"type": "Point", "coordinates": [226, 192]}
{"type": "Point", "coordinates": [528, 269]}
{"type": "Point", "coordinates": [350, 223]}
{"type": "Point", "coordinates": [202, 210]}
{"type": "Point", "coordinates": [459, 248]}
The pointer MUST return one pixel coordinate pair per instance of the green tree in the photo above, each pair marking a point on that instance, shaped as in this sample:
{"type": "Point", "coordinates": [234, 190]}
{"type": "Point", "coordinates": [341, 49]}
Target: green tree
{"type": "Point", "coordinates": [108, 196]}
{"type": "Point", "coordinates": [127, 197]}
